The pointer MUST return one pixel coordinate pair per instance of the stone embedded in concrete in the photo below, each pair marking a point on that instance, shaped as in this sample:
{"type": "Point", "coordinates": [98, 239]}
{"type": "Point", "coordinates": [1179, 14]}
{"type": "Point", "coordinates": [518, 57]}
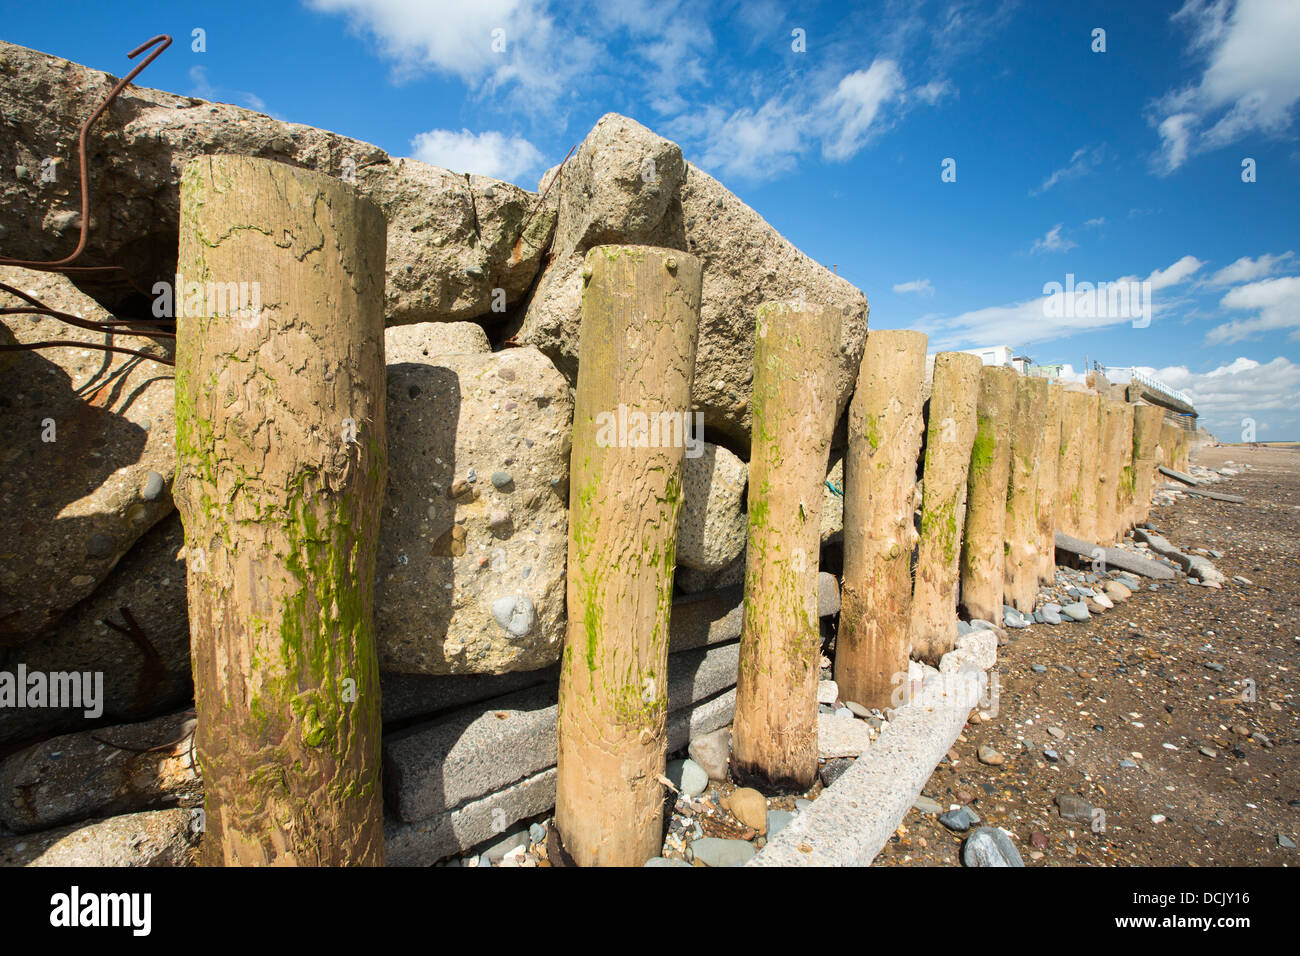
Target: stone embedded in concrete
{"type": "Point", "coordinates": [445, 558]}
{"type": "Point", "coordinates": [690, 581]}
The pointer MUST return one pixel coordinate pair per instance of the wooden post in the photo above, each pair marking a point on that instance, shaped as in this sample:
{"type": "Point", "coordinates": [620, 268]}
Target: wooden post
{"type": "Point", "coordinates": [1022, 494]}
{"type": "Point", "coordinates": [949, 435]}
{"type": "Point", "coordinates": [1183, 457]}
{"type": "Point", "coordinates": [1168, 445]}
{"type": "Point", "coordinates": [1108, 472]}
{"type": "Point", "coordinates": [874, 636]}
{"type": "Point", "coordinates": [982, 555]}
{"type": "Point", "coordinates": [640, 323]}
{"type": "Point", "coordinates": [1049, 461]}
{"type": "Point", "coordinates": [1127, 472]}
{"type": "Point", "coordinates": [774, 742]}
{"type": "Point", "coordinates": [1074, 410]}
{"type": "Point", "coordinates": [281, 466]}
{"type": "Point", "coordinates": [1089, 452]}
{"type": "Point", "coordinates": [1147, 420]}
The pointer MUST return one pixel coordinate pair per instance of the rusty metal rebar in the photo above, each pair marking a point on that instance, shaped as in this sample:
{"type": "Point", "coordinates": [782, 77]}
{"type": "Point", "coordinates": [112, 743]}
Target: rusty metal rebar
{"type": "Point", "coordinates": [64, 266]}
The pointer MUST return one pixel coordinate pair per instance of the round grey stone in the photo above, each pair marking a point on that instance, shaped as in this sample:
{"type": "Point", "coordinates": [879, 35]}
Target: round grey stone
{"type": "Point", "coordinates": [153, 486]}
{"type": "Point", "coordinates": [99, 546]}
{"type": "Point", "coordinates": [687, 776]}
{"type": "Point", "coordinates": [514, 613]}
{"type": "Point", "coordinates": [990, 846]}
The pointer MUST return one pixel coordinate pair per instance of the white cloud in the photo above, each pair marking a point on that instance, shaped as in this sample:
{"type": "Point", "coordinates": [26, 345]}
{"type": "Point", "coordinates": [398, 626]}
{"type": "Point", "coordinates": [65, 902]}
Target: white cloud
{"type": "Point", "coordinates": [1275, 302]}
{"type": "Point", "coordinates": [486, 154]}
{"type": "Point", "coordinates": [1176, 274]}
{"type": "Point", "coordinates": [1096, 223]}
{"type": "Point", "coordinates": [919, 286]}
{"type": "Point", "coordinates": [933, 91]}
{"type": "Point", "coordinates": [1082, 162]}
{"type": "Point", "coordinates": [1247, 269]}
{"type": "Point", "coordinates": [1268, 393]}
{"type": "Point", "coordinates": [1023, 323]}
{"type": "Point", "coordinates": [1175, 140]}
{"type": "Point", "coordinates": [1053, 241]}
{"type": "Point", "coordinates": [756, 144]}
{"type": "Point", "coordinates": [857, 102]}
{"type": "Point", "coordinates": [841, 115]}
{"type": "Point", "coordinates": [1251, 80]}
{"type": "Point", "coordinates": [531, 52]}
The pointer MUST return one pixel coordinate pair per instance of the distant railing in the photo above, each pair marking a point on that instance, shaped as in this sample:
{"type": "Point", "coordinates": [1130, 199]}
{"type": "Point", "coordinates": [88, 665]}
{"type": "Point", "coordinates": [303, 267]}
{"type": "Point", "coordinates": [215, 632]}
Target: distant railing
{"type": "Point", "coordinates": [1158, 386]}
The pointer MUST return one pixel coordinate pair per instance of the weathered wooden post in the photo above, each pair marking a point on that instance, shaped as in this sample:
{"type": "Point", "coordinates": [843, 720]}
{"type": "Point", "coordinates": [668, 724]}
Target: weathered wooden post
{"type": "Point", "coordinates": [1074, 409]}
{"type": "Point", "coordinates": [1108, 472]}
{"type": "Point", "coordinates": [1022, 562]}
{"type": "Point", "coordinates": [1049, 460]}
{"type": "Point", "coordinates": [774, 742]}
{"type": "Point", "coordinates": [1089, 453]}
{"type": "Point", "coordinates": [982, 554]}
{"type": "Point", "coordinates": [1127, 473]}
{"type": "Point", "coordinates": [281, 465]}
{"type": "Point", "coordinates": [1147, 420]}
{"type": "Point", "coordinates": [1168, 450]}
{"type": "Point", "coordinates": [640, 323]}
{"type": "Point", "coordinates": [949, 435]}
{"type": "Point", "coordinates": [885, 420]}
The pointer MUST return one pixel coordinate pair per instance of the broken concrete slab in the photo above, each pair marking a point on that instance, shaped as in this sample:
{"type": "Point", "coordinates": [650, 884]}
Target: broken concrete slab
{"type": "Point", "coordinates": [428, 841]}
{"type": "Point", "coordinates": [1213, 495]}
{"type": "Point", "coordinates": [439, 765]}
{"type": "Point", "coordinates": [150, 838]}
{"type": "Point", "coordinates": [1177, 475]}
{"type": "Point", "coordinates": [1113, 557]}
{"type": "Point", "coordinates": [851, 820]}
{"type": "Point", "coordinates": [104, 772]}
{"type": "Point", "coordinates": [477, 821]}
{"type": "Point", "coordinates": [841, 736]}
{"type": "Point", "coordinates": [1194, 565]}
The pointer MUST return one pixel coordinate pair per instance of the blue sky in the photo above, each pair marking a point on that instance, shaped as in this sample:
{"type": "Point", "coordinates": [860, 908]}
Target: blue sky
{"type": "Point", "coordinates": [1125, 163]}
